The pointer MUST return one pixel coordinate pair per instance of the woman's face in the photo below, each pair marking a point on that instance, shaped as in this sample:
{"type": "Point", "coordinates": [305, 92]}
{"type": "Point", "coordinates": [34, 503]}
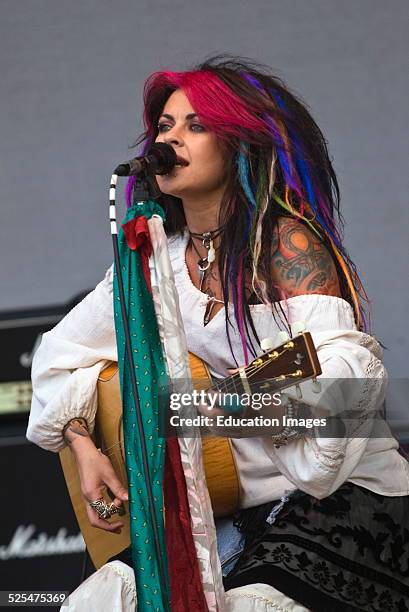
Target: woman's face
{"type": "Point", "coordinates": [203, 169]}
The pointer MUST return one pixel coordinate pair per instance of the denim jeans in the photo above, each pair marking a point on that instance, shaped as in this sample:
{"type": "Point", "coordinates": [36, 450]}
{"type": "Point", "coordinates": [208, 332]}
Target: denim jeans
{"type": "Point", "coordinates": [230, 543]}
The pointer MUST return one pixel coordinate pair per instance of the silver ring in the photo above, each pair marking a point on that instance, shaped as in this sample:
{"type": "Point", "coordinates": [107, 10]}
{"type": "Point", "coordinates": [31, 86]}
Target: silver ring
{"type": "Point", "coordinates": [103, 510]}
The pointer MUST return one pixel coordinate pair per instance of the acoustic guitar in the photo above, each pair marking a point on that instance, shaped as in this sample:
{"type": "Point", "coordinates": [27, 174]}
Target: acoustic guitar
{"type": "Point", "coordinates": [277, 369]}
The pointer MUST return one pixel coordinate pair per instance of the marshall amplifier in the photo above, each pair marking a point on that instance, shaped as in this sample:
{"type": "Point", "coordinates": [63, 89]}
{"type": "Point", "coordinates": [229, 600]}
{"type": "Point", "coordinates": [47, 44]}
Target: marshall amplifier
{"type": "Point", "coordinates": [20, 335]}
{"type": "Point", "coordinates": [41, 547]}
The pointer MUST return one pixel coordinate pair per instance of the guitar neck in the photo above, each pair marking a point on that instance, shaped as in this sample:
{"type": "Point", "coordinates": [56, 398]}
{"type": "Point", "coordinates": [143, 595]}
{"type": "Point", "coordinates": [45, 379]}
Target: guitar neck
{"type": "Point", "coordinates": [294, 361]}
{"type": "Point", "coordinates": [237, 384]}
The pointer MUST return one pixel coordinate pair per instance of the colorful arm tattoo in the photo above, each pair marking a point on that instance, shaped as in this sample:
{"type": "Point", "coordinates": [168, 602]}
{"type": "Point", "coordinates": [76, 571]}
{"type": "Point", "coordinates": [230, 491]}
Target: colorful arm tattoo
{"type": "Point", "coordinates": [301, 263]}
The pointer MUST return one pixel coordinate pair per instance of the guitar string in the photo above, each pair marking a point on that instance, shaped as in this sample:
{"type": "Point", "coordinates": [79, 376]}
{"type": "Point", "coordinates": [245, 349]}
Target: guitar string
{"type": "Point", "coordinates": [233, 378]}
{"type": "Point", "coordinates": [117, 444]}
{"type": "Point", "coordinates": [251, 371]}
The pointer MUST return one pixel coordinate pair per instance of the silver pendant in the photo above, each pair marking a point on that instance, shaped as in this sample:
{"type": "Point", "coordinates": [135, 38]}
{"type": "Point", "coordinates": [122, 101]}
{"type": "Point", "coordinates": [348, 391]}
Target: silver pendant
{"type": "Point", "coordinates": [201, 264]}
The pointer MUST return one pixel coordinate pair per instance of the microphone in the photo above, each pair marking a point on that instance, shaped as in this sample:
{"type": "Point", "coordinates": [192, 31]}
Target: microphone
{"type": "Point", "coordinates": [160, 159]}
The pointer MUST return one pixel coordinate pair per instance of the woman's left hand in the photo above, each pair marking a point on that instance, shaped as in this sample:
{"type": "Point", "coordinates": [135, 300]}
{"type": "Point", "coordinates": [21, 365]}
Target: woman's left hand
{"type": "Point", "coordinates": [262, 425]}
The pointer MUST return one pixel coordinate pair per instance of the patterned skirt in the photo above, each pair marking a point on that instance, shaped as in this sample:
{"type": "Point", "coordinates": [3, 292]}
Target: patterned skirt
{"type": "Point", "coordinates": [347, 552]}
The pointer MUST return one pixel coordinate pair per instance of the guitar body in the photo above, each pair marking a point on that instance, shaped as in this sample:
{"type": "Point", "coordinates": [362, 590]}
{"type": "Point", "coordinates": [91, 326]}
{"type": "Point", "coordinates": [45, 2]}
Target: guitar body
{"type": "Point", "coordinates": [223, 484]}
{"type": "Point", "coordinates": [279, 368]}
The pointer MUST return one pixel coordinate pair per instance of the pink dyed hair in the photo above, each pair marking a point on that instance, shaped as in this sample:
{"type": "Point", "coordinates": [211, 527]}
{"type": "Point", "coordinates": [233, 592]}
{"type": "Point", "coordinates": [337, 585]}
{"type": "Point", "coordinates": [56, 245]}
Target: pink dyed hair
{"type": "Point", "coordinates": [280, 165]}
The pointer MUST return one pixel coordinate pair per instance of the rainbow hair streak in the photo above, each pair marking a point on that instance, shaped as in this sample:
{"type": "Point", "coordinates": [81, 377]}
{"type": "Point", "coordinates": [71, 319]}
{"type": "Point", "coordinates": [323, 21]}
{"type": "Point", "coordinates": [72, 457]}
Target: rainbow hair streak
{"type": "Point", "coordinates": [283, 176]}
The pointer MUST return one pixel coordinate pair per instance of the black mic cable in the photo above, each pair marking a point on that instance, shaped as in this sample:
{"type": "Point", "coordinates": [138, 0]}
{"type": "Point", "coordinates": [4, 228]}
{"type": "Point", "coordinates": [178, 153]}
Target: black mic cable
{"type": "Point", "coordinates": [160, 159]}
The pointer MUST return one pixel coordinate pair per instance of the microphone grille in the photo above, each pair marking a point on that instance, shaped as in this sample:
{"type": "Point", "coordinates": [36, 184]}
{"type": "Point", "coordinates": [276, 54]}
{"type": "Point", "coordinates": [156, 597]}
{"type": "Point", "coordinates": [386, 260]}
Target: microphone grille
{"type": "Point", "coordinates": [164, 157]}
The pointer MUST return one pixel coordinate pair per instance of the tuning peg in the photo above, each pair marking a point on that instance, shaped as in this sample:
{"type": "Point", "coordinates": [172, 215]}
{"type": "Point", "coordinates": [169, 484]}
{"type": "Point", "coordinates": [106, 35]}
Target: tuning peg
{"type": "Point", "coordinates": [315, 386]}
{"type": "Point", "coordinates": [267, 344]}
{"type": "Point", "coordinates": [298, 328]}
{"type": "Point", "coordinates": [282, 336]}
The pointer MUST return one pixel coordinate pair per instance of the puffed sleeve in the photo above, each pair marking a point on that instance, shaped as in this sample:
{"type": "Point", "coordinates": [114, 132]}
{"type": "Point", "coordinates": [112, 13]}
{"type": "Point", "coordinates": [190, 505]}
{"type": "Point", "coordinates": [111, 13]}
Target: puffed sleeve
{"type": "Point", "coordinates": [67, 364]}
{"type": "Point", "coordinates": [353, 386]}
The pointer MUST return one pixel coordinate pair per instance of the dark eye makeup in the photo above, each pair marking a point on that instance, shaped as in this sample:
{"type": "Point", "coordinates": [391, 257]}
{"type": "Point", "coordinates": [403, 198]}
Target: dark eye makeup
{"type": "Point", "coordinates": [195, 127]}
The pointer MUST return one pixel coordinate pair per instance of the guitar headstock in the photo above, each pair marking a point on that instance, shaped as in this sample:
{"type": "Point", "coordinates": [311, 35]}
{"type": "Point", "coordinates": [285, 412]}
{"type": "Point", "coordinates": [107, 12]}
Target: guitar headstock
{"type": "Point", "coordinates": [293, 361]}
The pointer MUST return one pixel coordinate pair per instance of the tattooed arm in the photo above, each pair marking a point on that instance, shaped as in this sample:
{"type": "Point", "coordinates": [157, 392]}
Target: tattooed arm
{"type": "Point", "coordinates": [301, 264]}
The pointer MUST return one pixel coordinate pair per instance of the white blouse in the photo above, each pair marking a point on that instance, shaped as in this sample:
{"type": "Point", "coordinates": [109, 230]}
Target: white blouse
{"type": "Point", "coordinates": [68, 362]}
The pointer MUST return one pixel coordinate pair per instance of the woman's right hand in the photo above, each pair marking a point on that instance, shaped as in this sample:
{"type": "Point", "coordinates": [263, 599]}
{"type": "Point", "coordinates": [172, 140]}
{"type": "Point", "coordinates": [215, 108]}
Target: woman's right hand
{"type": "Point", "coordinates": [96, 475]}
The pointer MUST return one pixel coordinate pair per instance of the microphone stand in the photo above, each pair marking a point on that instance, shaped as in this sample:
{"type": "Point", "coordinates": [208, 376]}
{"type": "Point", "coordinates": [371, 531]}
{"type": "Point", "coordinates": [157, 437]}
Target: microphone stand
{"type": "Point", "coordinates": [145, 189]}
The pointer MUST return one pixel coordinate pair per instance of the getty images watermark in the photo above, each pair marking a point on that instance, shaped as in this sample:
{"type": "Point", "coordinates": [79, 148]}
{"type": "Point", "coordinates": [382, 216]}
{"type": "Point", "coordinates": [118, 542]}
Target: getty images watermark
{"type": "Point", "coordinates": [340, 408]}
{"type": "Point", "coordinates": [239, 409]}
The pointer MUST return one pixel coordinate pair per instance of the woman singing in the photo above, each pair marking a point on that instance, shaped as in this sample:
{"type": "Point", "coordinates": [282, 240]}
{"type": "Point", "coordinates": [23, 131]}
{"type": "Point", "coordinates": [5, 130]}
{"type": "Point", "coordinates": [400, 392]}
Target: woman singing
{"type": "Point", "coordinates": [253, 234]}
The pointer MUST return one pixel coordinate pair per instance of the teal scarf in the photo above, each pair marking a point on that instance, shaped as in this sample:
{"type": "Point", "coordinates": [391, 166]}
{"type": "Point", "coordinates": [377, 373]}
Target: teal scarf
{"type": "Point", "coordinates": [152, 380]}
